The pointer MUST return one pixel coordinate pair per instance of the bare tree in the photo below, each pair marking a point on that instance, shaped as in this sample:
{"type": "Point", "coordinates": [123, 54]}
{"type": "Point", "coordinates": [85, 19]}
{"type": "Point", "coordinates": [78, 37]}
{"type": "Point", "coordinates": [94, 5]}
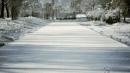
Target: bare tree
{"type": "Point", "coordinates": [75, 5]}
{"type": "Point", "coordinates": [5, 5]}
{"type": "Point", "coordinates": [48, 10]}
{"type": "Point", "coordinates": [2, 8]}
{"type": "Point", "coordinates": [7, 8]}
{"type": "Point", "coordinates": [123, 7]}
{"type": "Point", "coordinates": [15, 8]}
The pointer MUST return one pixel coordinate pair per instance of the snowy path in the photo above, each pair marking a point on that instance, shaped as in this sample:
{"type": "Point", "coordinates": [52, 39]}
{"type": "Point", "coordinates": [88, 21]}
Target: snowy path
{"type": "Point", "coordinates": [67, 35]}
{"type": "Point", "coordinates": [64, 47]}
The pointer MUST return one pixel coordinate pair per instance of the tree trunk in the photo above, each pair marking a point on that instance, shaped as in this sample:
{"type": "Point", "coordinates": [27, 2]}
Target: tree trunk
{"type": "Point", "coordinates": [124, 18]}
{"type": "Point", "coordinates": [14, 13]}
{"type": "Point", "coordinates": [119, 15]}
{"type": "Point", "coordinates": [7, 10]}
{"type": "Point", "coordinates": [15, 8]}
{"type": "Point", "coordinates": [2, 9]}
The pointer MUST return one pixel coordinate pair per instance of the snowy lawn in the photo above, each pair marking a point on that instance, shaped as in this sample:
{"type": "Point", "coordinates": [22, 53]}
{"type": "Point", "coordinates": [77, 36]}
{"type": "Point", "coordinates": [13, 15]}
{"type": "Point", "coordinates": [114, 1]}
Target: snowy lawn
{"type": "Point", "coordinates": [12, 30]}
{"type": "Point", "coordinates": [117, 31]}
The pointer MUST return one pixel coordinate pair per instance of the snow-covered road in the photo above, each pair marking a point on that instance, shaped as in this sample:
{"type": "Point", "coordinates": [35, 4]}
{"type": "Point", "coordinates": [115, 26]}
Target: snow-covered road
{"type": "Point", "coordinates": [67, 34]}
{"type": "Point", "coordinates": [64, 47]}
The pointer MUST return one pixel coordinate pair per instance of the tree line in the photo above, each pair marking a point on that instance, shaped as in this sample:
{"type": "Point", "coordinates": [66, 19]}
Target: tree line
{"type": "Point", "coordinates": [110, 11]}
{"type": "Point", "coordinates": [38, 8]}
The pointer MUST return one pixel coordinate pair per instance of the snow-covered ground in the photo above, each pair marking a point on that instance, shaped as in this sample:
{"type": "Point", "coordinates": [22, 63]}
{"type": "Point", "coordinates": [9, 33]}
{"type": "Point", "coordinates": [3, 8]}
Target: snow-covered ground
{"type": "Point", "coordinates": [117, 31]}
{"type": "Point", "coordinates": [12, 30]}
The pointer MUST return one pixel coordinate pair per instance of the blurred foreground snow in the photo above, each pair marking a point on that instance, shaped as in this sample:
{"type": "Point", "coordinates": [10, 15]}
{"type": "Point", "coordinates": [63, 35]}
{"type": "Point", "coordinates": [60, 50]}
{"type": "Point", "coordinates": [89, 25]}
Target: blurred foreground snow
{"type": "Point", "coordinates": [12, 30]}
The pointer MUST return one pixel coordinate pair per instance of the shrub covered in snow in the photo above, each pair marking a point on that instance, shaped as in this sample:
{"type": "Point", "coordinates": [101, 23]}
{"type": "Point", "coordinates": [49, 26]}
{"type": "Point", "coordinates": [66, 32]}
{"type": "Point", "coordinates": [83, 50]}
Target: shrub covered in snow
{"type": "Point", "coordinates": [117, 31]}
{"type": "Point", "coordinates": [12, 30]}
{"type": "Point", "coordinates": [109, 16]}
{"type": "Point", "coordinates": [95, 14]}
{"type": "Point", "coordinates": [112, 16]}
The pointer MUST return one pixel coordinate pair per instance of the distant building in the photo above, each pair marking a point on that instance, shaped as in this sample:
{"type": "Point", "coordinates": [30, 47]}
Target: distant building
{"type": "Point", "coordinates": [81, 16]}
{"type": "Point", "coordinates": [63, 16]}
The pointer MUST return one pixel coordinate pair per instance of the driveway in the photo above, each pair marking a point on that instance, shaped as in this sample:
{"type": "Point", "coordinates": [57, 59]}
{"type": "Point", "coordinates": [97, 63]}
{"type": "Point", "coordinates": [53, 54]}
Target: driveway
{"type": "Point", "coordinates": [65, 47]}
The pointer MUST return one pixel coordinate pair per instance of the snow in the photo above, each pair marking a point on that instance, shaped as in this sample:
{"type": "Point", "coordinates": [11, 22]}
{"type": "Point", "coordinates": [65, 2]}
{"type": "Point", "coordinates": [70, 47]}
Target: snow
{"type": "Point", "coordinates": [81, 16]}
{"type": "Point", "coordinates": [93, 23]}
{"type": "Point", "coordinates": [95, 14]}
{"type": "Point", "coordinates": [117, 31]}
{"type": "Point", "coordinates": [112, 13]}
{"type": "Point", "coordinates": [12, 30]}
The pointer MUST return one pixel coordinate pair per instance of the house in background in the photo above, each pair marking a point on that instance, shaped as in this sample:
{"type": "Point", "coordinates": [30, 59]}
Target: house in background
{"type": "Point", "coordinates": [82, 17]}
{"type": "Point", "coordinates": [65, 16]}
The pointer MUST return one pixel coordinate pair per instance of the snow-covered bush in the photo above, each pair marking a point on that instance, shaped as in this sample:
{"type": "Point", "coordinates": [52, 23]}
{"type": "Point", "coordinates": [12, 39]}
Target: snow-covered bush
{"type": "Point", "coordinates": [95, 14]}
{"type": "Point", "coordinates": [12, 30]}
{"type": "Point", "coordinates": [32, 8]}
{"type": "Point", "coordinates": [112, 16]}
{"type": "Point", "coordinates": [117, 31]}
